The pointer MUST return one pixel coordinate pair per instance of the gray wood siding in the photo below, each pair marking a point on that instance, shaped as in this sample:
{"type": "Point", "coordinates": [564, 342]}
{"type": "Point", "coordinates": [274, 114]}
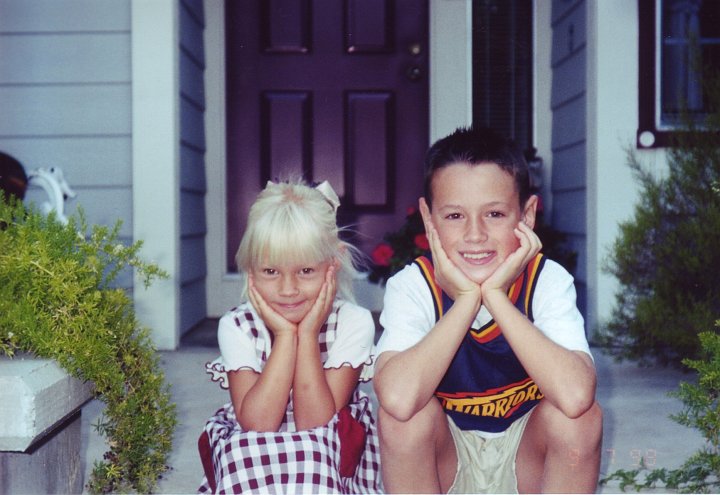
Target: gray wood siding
{"type": "Point", "coordinates": [65, 99]}
{"type": "Point", "coordinates": [193, 268]}
{"type": "Point", "coordinates": [568, 104]}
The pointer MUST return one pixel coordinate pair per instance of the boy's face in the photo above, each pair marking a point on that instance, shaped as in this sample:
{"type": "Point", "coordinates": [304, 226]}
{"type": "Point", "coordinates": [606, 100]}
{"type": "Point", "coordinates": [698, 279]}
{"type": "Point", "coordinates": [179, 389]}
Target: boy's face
{"type": "Point", "coordinates": [475, 209]}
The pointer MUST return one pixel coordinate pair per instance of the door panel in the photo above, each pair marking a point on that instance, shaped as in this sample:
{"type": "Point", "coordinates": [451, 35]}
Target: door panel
{"type": "Point", "coordinates": [369, 159]}
{"type": "Point", "coordinates": [285, 133]}
{"type": "Point", "coordinates": [328, 89]}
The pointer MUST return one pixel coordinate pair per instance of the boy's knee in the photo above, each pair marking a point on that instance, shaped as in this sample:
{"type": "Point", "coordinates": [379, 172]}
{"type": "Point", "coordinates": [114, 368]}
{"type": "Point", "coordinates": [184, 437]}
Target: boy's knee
{"type": "Point", "coordinates": [559, 453]}
{"type": "Point", "coordinates": [583, 433]}
{"type": "Point", "coordinates": [589, 426]}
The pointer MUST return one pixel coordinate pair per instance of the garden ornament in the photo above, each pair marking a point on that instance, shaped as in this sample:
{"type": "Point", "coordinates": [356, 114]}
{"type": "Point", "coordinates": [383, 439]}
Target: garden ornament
{"type": "Point", "coordinates": [53, 182]}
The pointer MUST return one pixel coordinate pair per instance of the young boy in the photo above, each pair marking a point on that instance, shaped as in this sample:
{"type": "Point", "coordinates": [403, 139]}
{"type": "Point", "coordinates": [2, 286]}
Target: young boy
{"type": "Point", "coordinates": [484, 375]}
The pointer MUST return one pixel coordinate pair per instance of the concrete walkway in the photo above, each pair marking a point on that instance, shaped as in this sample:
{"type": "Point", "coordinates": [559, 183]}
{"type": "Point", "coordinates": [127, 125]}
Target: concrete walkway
{"type": "Point", "coordinates": [634, 400]}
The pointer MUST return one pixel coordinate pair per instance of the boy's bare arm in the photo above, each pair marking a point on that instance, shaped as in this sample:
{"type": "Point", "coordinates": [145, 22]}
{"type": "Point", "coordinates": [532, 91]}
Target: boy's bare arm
{"type": "Point", "coordinates": [407, 380]}
{"type": "Point", "coordinates": [565, 377]}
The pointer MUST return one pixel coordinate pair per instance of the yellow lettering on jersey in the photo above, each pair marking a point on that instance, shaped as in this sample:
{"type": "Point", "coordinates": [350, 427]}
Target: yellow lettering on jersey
{"type": "Point", "coordinates": [499, 404]}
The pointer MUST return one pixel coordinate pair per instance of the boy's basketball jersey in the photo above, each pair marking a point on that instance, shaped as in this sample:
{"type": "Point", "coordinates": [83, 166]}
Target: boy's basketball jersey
{"type": "Point", "coordinates": [486, 388]}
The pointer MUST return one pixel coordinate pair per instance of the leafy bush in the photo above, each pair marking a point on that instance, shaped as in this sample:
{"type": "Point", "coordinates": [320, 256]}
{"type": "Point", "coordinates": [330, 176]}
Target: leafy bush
{"type": "Point", "coordinates": [555, 243]}
{"type": "Point", "coordinates": [399, 248]}
{"type": "Point", "coordinates": [57, 301]}
{"type": "Point", "coordinates": [666, 257]}
{"type": "Point", "coordinates": [701, 472]}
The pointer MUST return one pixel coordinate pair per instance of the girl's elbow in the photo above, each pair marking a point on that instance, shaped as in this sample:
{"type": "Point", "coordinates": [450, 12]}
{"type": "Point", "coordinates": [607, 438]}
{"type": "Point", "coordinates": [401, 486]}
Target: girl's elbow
{"type": "Point", "coordinates": [258, 427]}
{"type": "Point", "coordinates": [258, 423]}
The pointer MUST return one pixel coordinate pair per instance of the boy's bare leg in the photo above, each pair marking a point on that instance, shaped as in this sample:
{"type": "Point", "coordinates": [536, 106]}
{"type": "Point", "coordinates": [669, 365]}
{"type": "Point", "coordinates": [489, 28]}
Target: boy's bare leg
{"type": "Point", "coordinates": [558, 454]}
{"type": "Point", "coordinates": [418, 455]}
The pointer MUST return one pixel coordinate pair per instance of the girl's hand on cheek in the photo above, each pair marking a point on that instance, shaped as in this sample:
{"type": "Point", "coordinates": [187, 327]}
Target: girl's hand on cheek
{"type": "Point", "coordinates": [450, 278]}
{"type": "Point", "coordinates": [514, 264]}
{"type": "Point", "coordinates": [273, 320]}
{"type": "Point", "coordinates": [320, 310]}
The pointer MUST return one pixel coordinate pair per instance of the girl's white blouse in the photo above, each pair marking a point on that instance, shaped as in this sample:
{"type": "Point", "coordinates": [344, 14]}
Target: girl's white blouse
{"type": "Point", "coordinates": [350, 344]}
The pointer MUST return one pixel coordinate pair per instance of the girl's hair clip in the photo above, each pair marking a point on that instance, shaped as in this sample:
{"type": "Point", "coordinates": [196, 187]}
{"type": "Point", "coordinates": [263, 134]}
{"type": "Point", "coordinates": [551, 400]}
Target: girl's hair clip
{"type": "Point", "coordinates": [329, 193]}
{"type": "Point", "coordinates": [323, 188]}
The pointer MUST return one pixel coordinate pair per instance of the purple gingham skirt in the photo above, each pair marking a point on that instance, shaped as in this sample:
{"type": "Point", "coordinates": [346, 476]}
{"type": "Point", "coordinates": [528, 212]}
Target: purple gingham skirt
{"type": "Point", "coordinates": [290, 462]}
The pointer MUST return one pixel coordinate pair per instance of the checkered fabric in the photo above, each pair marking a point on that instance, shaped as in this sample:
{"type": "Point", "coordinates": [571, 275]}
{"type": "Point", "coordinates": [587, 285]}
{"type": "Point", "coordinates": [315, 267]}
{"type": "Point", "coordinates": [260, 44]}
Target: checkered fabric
{"type": "Point", "coordinates": [245, 323]}
{"type": "Point", "coordinates": [287, 461]}
{"type": "Point", "coordinates": [290, 462]}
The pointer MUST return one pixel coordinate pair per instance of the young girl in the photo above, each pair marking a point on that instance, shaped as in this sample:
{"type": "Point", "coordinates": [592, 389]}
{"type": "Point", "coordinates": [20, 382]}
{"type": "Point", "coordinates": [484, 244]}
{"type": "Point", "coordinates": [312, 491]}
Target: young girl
{"type": "Point", "coordinates": [291, 357]}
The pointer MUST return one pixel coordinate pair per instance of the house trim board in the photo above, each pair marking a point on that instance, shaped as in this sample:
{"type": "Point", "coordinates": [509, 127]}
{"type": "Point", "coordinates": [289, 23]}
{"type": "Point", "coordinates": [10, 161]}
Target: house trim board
{"type": "Point", "coordinates": [155, 163]}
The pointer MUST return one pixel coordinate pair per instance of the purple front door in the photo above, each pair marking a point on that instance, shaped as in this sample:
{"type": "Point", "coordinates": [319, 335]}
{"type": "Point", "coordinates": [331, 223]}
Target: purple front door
{"type": "Point", "coordinates": [328, 89]}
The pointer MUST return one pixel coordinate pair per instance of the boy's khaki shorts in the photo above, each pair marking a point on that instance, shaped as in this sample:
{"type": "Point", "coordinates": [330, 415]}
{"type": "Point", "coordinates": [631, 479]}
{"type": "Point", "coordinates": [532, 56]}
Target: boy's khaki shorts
{"type": "Point", "coordinates": [486, 465]}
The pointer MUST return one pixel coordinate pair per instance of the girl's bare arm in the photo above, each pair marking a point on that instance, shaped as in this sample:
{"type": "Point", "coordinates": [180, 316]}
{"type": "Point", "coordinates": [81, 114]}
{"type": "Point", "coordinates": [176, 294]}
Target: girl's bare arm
{"type": "Point", "coordinates": [318, 393]}
{"type": "Point", "coordinates": [260, 399]}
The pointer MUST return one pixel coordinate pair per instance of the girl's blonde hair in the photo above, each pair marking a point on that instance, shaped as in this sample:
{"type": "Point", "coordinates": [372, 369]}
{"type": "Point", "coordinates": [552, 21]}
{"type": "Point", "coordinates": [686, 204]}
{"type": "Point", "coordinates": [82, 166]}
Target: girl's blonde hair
{"type": "Point", "coordinates": [291, 222]}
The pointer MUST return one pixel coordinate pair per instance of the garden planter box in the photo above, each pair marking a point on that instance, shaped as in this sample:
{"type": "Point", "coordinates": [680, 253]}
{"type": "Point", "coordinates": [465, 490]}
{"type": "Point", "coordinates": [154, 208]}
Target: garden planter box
{"type": "Point", "coordinates": [40, 439]}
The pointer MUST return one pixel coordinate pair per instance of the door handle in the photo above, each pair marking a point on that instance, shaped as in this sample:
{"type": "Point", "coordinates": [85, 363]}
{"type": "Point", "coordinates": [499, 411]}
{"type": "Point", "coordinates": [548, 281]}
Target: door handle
{"type": "Point", "coordinates": [414, 73]}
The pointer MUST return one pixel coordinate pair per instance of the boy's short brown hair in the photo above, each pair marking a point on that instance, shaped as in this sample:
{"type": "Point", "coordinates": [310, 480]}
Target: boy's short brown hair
{"type": "Point", "coordinates": [476, 145]}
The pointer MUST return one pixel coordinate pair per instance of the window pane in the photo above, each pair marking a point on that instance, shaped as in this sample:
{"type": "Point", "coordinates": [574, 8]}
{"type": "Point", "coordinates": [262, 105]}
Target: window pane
{"type": "Point", "coordinates": [502, 67]}
{"type": "Point", "coordinates": [689, 28]}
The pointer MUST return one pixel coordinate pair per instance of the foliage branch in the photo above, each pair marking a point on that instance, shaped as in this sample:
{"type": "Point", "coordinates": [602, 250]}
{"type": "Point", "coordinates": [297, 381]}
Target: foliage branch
{"type": "Point", "coordinates": [700, 473]}
{"type": "Point", "coordinates": [399, 248]}
{"type": "Point", "coordinates": [57, 301]}
{"type": "Point", "coordinates": [666, 257]}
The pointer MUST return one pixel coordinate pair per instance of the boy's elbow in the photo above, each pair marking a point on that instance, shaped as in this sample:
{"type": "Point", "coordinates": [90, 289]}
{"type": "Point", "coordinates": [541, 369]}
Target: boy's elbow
{"type": "Point", "coordinates": [578, 390]}
{"type": "Point", "coordinates": [573, 409]}
{"type": "Point", "coordinates": [394, 402]}
{"type": "Point", "coordinates": [579, 401]}
{"type": "Point", "coordinates": [399, 410]}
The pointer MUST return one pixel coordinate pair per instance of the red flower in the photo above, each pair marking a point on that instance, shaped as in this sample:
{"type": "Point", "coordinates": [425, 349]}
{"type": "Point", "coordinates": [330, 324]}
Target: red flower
{"type": "Point", "coordinates": [381, 254]}
{"type": "Point", "coordinates": [421, 241]}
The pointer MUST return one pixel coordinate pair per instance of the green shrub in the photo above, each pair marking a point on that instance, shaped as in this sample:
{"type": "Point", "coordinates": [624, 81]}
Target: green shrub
{"type": "Point", "coordinates": [399, 248]}
{"type": "Point", "coordinates": [667, 255]}
{"type": "Point", "coordinates": [555, 244]}
{"type": "Point", "coordinates": [700, 472]}
{"type": "Point", "coordinates": [57, 301]}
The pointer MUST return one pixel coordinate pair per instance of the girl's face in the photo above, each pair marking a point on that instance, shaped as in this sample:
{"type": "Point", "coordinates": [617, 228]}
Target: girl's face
{"type": "Point", "coordinates": [290, 288]}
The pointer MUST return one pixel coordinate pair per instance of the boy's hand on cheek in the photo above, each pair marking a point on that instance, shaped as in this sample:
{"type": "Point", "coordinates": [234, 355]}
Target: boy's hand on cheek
{"type": "Point", "coordinates": [450, 278]}
{"type": "Point", "coordinates": [512, 267]}
{"type": "Point", "coordinates": [273, 320]}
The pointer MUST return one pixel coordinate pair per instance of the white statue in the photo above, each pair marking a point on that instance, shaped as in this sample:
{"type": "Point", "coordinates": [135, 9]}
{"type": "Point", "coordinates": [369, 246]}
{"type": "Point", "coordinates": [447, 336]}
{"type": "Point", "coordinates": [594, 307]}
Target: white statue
{"type": "Point", "coordinates": [53, 182]}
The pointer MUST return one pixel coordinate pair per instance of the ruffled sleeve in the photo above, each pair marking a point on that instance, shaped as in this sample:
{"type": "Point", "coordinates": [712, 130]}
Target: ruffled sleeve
{"type": "Point", "coordinates": [353, 345]}
{"type": "Point", "coordinates": [243, 345]}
